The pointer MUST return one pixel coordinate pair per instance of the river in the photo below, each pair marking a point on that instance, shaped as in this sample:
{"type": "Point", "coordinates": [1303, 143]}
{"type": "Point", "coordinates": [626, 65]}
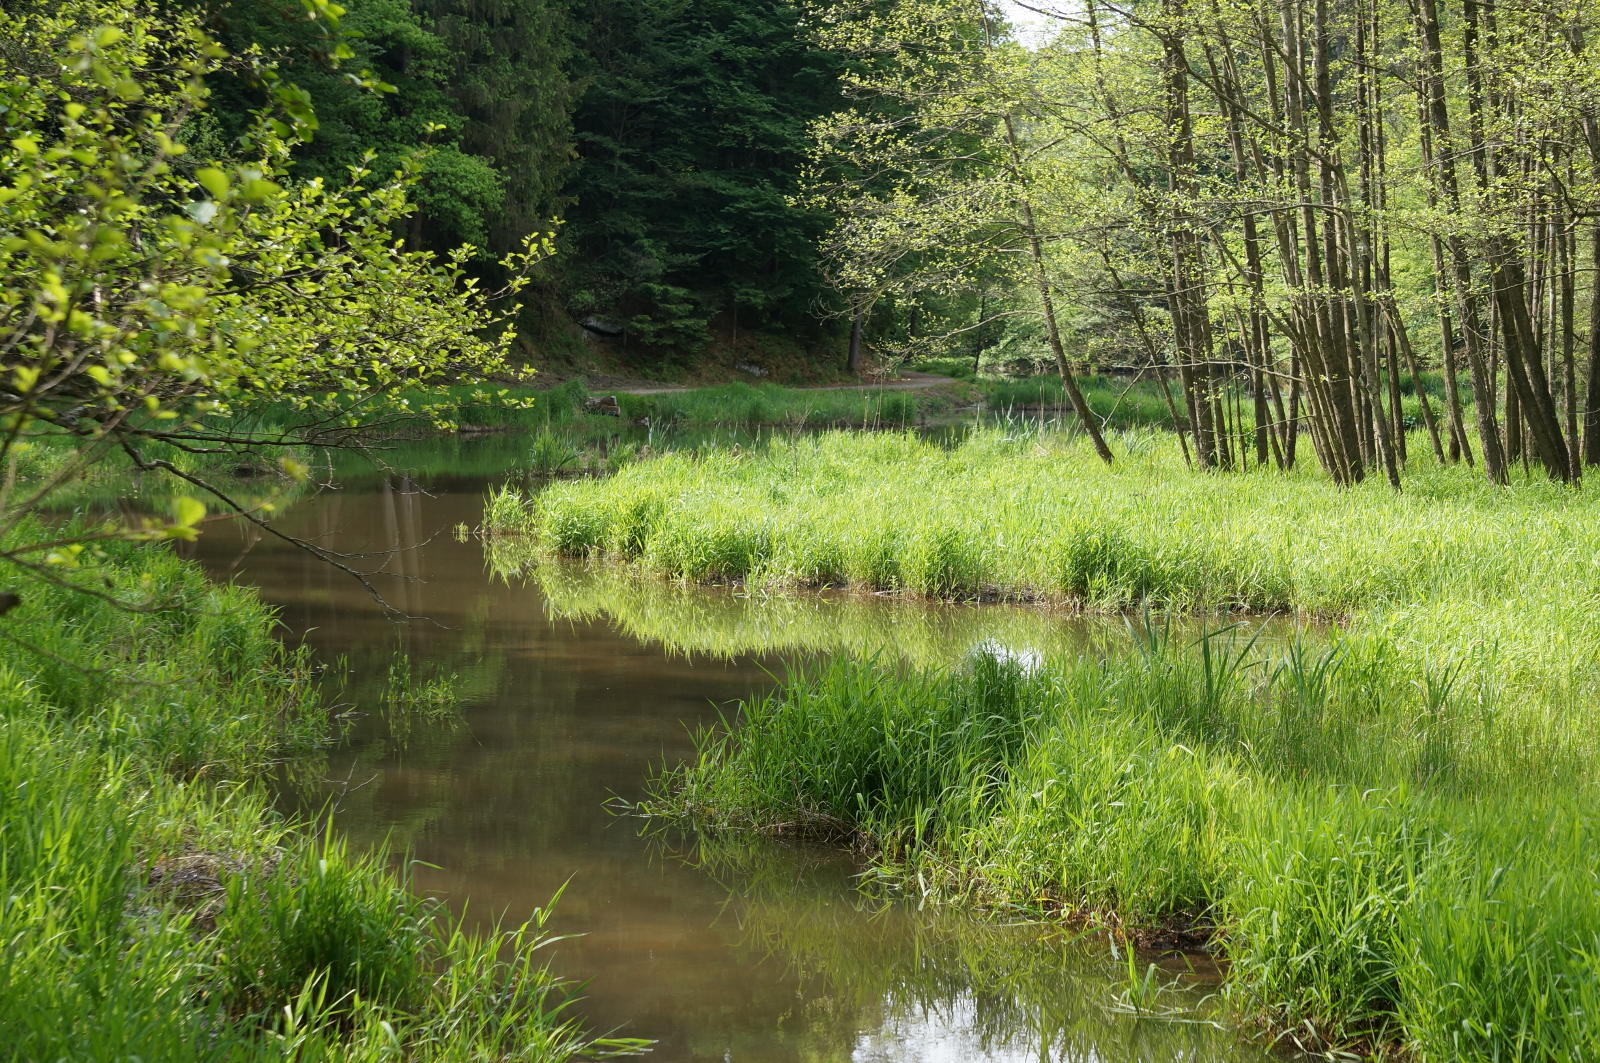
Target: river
{"type": "Point", "coordinates": [752, 952]}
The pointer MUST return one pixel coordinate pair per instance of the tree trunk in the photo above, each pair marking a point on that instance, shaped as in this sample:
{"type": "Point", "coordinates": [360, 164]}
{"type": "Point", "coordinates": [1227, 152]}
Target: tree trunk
{"type": "Point", "coordinates": [857, 324]}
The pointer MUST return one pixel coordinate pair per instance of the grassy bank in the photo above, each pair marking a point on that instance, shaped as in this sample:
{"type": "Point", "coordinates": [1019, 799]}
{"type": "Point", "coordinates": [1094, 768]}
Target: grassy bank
{"type": "Point", "coordinates": [755, 405]}
{"type": "Point", "coordinates": [108, 481]}
{"type": "Point", "coordinates": [1030, 515]}
{"type": "Point", "coordinates": [511, 407]}
{"type": "Point", "coordinates": [154, 907]}
{"type": "Point", "coordinates": [1320, 817]}
{"type": "Point", "coordinates": [1386, 829]}
{"type": "Point", "coordinates": [1124, 401]}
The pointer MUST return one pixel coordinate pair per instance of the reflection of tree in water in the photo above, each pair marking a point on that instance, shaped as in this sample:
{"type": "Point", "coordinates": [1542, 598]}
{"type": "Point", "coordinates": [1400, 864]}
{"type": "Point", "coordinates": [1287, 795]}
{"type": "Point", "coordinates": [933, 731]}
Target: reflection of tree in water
{"type": "Point", "coordinates": [1012, 991]}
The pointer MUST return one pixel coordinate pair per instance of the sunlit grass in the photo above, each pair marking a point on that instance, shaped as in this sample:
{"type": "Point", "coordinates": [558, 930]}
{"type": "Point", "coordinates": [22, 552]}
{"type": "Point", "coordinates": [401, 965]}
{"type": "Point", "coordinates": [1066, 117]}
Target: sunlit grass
{"type": "Point", "coordinates": [752, 405]}
{"type": "Point", "coordinates": [1385, 825]}
{"type": "Point", "coordinates": [1345, 842]}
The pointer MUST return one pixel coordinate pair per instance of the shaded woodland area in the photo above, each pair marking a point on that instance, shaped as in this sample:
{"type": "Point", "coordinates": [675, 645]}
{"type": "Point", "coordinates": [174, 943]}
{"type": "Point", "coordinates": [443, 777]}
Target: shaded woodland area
{"type": "Point", "coordinates": [1290, 211]}
{"type": "Point", "coordinates": [664, 140]}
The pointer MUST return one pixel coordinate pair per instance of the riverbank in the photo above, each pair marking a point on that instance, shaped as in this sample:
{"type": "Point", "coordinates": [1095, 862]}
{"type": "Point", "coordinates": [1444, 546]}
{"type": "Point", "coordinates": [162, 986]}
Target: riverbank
{"type": "Point", "coordinates": [155, 907]}
{"type": "Point", "coordinates": [1383, 827]}
{"type": "Point", "coordinates": [1308, 815]}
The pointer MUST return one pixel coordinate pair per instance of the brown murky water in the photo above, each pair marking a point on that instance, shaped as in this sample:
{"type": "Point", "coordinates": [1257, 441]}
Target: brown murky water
{"type": "Point", "coordinates": [745, 953]}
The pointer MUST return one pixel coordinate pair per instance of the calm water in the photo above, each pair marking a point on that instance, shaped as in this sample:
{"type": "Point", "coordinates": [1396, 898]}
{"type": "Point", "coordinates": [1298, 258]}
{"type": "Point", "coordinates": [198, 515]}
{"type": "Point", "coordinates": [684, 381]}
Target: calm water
{"type": "Point", "coordinates": [575, 689]}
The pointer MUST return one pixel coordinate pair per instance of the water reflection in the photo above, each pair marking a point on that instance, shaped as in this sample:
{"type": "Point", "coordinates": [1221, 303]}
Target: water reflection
{"type": "Point", "coordinates": [728, 623]}
{"type": "Point", "coordinates": [756, 954]}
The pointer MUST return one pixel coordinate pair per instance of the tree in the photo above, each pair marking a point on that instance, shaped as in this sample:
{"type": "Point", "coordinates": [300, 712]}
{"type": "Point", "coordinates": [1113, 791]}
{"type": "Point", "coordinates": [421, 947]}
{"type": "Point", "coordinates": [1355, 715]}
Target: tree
{"type": "Point", "coordinates": [938, 185]}
{"type": "Point", "coordinates": [1332, 196]}
{"type": "Point", "coordinates": [148, 297]}
{"type": "Point", "coordinates": [691, 134]}
{"type": "Point", "coordinates": [429, 64]}
{"type": "Point", "coordinates": [509, 62]}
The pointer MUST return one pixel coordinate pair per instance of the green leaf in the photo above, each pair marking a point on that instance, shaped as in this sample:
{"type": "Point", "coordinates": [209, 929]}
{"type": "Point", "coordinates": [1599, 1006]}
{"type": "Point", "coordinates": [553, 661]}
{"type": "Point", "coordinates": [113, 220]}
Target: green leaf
{"type": "Point", "coordinates": [187, 511]}
{"type": "Point", "coordinates": [213, 180]}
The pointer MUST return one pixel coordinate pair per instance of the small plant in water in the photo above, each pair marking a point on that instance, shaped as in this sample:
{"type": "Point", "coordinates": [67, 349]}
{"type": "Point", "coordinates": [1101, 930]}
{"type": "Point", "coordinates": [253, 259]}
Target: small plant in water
{"type": "Point", "coordinates": [1139, 991]}
{"type": "Point", "coordinates": [409, 700]}
{"type": "Point", "coordinates": [551, 454]}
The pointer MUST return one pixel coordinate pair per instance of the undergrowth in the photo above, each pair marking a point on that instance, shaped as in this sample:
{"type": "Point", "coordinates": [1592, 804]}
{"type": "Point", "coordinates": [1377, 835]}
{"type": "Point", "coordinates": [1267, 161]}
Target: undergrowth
{"type": "Point", "coordinates": [151, 903]}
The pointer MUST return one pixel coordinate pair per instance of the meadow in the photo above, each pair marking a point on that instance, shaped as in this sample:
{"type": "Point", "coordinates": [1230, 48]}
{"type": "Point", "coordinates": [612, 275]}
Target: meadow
{"type": "Point", "coordinates": [1384, 823]}
{"type": "Point", "coordinates": [1125, 401]}
{"type": "Point", "coordinates": [155, 907]}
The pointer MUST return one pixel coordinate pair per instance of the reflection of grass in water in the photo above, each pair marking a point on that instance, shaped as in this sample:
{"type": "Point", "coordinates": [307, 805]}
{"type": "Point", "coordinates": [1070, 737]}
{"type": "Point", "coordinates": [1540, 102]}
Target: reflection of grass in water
{"type": "Point", "coordinates": [719, 623]}
{"type": "Point", "coordinates": [111, 481]}
{"type": "Point", "coordinates": [877, 961]}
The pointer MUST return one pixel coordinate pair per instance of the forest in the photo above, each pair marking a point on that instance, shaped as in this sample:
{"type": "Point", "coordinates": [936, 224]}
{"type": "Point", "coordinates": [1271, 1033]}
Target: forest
{"type": "Point", "coordinates": [798, 530]}
{"type": "Point", "coordinates": [1288, 218]}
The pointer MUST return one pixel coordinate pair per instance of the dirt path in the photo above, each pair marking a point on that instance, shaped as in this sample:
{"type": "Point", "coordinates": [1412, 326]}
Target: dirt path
{"type": "Point", "coordinates": [906, 381]}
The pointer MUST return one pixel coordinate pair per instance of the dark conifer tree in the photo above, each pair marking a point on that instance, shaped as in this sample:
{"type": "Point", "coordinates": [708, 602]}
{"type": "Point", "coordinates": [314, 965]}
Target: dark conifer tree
{"type": "Point", "coordinates": [691, 133]}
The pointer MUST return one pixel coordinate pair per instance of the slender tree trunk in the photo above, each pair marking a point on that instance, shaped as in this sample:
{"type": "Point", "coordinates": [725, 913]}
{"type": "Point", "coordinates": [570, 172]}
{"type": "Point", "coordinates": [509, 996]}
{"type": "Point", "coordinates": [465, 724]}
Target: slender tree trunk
{"type": "Point", "coordinates": [1041, 273]}
{"type": "Point", "coordinates": [856, 326]}
{"type": "Point", "coordinates": [1186, 298]}
{"type": "Point", "coordinates": [1591, 399]}
{"type": "Point", "coordinates": [1444, 173]}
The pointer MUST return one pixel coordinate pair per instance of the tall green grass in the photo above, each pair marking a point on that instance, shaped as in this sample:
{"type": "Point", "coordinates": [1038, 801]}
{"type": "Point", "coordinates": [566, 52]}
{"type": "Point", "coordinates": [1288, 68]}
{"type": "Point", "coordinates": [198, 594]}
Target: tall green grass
{"type": "Point", "coordinates": [152, 905]}
{"type": "Point", "coordinates": [1388, 830]}
{"type": "Point", "coordinates": [1030, 514]}
{"type": "Point", "coordinates": [1125, 402]}
{"type": "Point", "coordinates": [108, 480]}
{"type": "Point", "coordinates": [1119, 402]}
{"type": "Point", "coordinates": [1368, 885]}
